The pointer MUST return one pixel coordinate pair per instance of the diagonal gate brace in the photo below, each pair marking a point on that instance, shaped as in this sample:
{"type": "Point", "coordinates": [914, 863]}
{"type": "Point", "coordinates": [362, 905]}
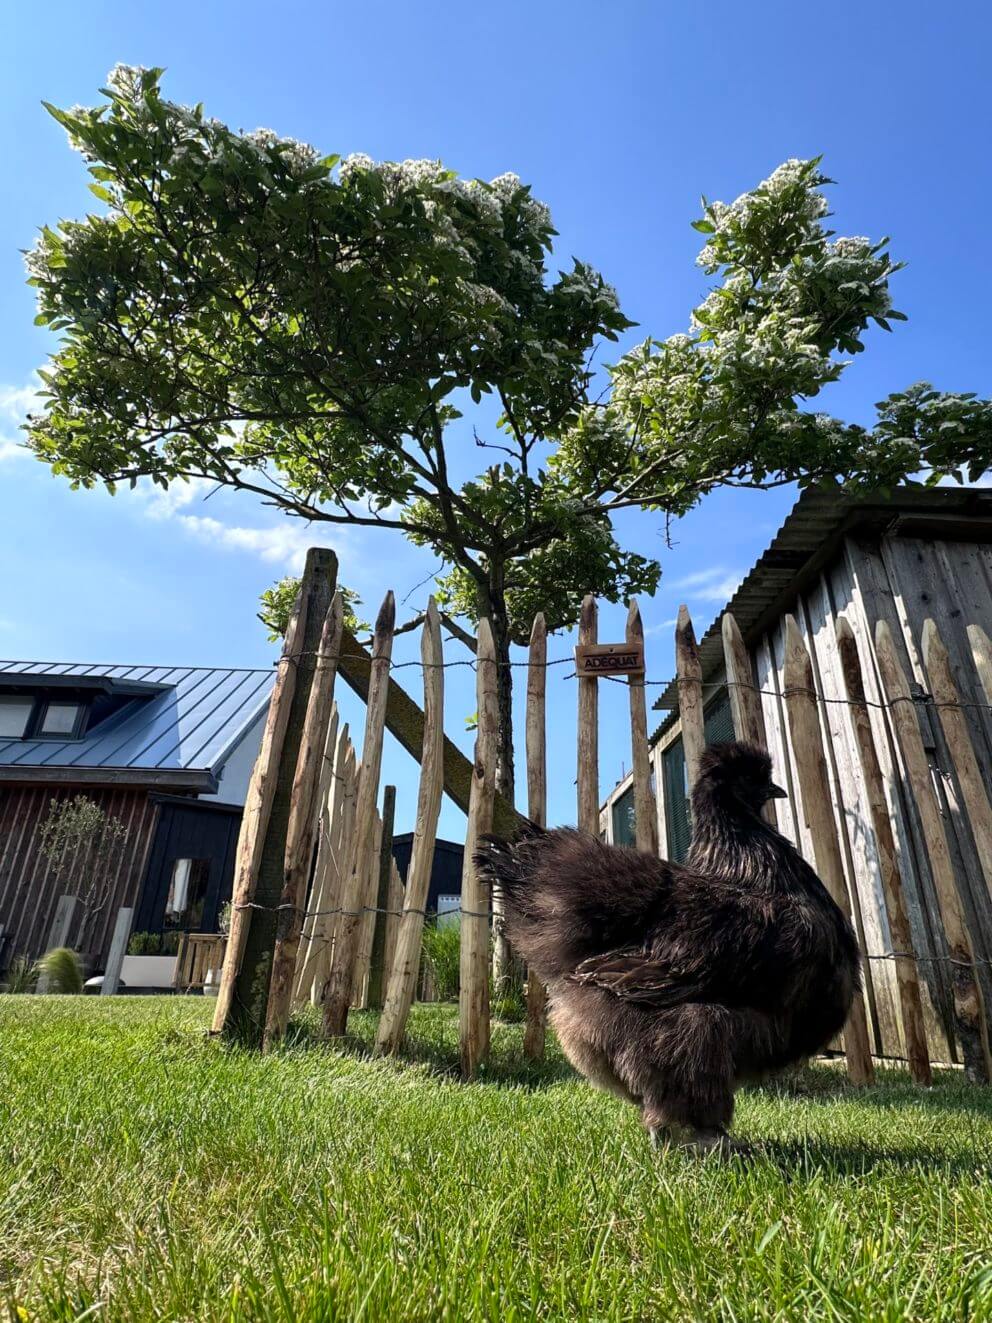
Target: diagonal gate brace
{"type": "Point", "coordinates": [405, 720]}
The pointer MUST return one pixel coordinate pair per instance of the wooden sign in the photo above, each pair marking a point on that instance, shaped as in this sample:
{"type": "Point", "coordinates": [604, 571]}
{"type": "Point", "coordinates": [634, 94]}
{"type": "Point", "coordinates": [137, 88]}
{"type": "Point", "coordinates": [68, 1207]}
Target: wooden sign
{"type": "Point", "coordinates": [594, 659]}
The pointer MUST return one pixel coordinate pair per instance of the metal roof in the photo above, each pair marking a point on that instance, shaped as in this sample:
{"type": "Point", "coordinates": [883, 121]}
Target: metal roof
{"type": "Point", "coordinates": [809, 537]}
{"type": "Point", "coordinates": [175, 726]}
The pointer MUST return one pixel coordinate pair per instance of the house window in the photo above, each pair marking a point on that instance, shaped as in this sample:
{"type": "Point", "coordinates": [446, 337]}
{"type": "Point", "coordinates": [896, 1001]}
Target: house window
{"type": "Point", "coordinates": [60, 718]}
{"type": "Point", "coordinates": [15, 713]}
{"type": "Point", "coordinates": [624, 826]}
{"type": "Point", "coordinates": [187, 895]}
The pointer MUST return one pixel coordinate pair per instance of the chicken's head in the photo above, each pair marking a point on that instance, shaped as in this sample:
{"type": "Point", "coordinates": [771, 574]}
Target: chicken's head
{"type": "Point", "coordinates": [736, 778]}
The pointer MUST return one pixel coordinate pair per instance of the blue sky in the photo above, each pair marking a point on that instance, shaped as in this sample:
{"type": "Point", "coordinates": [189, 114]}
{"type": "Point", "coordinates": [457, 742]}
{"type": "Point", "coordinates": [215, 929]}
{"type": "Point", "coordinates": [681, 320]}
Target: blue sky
{"type": "Point", "coordinates": [619, 116]}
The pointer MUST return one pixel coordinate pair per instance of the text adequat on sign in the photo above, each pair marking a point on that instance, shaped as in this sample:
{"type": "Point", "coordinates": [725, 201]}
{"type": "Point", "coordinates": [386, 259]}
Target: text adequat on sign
{"type": "Point", "coordinates": [593, 659]}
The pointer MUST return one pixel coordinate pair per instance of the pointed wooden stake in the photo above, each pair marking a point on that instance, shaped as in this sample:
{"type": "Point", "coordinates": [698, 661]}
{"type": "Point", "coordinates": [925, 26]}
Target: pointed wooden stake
{"type": "Point", "coordinates": [745, 702]}
{"type": "Point", "coordinates": [329, 803]}
{"type": "Point", "coordinates": [907, 973]}
{"type": "Point", "coordinates": [303, 820]}
{"type": "Point", "coordinates": [969, 1012]}
{"type": "Point", "coordinates": [473, 1000]}
{"type": "Point", "coordinates": [535, 1031]}
{"type": "Point", "coordinates": [402, 985]}
{"type": "Point", "coordinates": [814, 788]}
{"type": "Point", "coordinates": [690, 683]}
{"type": "Point", "coordinates": [258, 876]}
{"type": "Point", "coordinates": [981, 652]}
{"type": "Point", "coordinates": [337, 992]}
{"type": "Point", "coordinates": [377, 959]}
{"type": "Point", "coordinates": [587, 771]}
{"type": "Point", "coordinates": [959, 745]}
{"type": "Point", "coordinates": [645, 811]}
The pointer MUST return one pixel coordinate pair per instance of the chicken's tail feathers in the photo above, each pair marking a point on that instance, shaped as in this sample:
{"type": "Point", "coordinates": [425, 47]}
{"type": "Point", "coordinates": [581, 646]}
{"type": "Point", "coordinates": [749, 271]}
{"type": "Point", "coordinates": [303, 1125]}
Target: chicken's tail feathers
{"type": "Point", "coordinates": [509, 863]}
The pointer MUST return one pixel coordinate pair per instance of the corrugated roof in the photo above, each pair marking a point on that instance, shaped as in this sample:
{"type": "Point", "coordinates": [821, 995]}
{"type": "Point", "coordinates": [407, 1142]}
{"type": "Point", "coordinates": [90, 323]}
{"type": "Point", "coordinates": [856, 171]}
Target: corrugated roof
{"type": "Point", "coordinates": [809, 536]}
{"type": "Point", "coordinates": [188, 719]}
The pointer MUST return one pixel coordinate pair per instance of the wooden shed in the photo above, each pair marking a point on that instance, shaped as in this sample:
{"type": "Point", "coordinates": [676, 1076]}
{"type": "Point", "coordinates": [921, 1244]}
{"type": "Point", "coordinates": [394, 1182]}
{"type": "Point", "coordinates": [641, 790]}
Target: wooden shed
{"type": "Point", "coordinates": [904, 557]}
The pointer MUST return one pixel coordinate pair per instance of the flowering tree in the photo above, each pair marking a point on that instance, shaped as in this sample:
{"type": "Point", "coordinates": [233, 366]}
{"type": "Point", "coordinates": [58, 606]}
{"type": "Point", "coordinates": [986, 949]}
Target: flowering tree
{"type": "Point", "coordinates": [313, 330]}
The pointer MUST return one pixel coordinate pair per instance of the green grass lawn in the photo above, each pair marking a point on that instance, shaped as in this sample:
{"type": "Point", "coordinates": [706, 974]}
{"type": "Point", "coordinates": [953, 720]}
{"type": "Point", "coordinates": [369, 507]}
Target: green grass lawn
{"type": "Point", "coordinates": [147, 1172]}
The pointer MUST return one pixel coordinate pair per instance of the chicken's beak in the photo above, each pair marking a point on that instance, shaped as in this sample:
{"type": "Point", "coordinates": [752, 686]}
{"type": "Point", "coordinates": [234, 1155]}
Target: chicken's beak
{"type": "Point", "coordinates": [776, 792]}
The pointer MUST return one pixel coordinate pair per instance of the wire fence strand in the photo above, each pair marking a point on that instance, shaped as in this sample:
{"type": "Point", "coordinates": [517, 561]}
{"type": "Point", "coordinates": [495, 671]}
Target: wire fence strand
{"type": "Point", "coordinates": [921, 699]}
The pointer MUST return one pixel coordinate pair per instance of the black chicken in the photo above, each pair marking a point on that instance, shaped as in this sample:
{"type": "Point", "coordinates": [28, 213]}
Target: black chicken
{"type": "Point", "coordinates": [672, 984]}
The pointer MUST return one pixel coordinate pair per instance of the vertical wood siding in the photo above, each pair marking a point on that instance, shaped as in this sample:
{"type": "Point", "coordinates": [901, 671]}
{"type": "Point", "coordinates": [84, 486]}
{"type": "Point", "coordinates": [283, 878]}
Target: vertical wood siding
{"type": "Point", "coordinates": [30, 885]}
{"type": "Point", "coordinates": [902, 580]}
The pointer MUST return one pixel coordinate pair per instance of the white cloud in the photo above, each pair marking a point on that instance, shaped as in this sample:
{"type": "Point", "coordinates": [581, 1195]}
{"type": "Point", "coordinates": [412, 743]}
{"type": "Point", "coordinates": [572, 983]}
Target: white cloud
{"type": "Point", "coordinates": [283, 544]}
{"type": "Point", "coordinates": [12, 450]}
{"type": "Point", "coordinates": [661, 628]}
{"type": "Point", "coordinates": [716, 584]}
{"type": "Point", "coordinates": [164, 503]}
{"type": "Point", "coordinates": [16, 402]}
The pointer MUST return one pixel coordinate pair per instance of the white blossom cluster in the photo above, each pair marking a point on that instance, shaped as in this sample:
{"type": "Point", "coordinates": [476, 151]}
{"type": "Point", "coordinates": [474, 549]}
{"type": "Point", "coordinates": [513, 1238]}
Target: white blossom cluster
{"type": "Point", "coordinates": [298, 156]}
{"type": "Point", "coordinates": [586, 283]}
{"type": "Point", "coordinates": [489, 200]}
{"type": "Point", "coordinates": [792, 177]}
{"type": "Point", "coordinates": [125, 80]}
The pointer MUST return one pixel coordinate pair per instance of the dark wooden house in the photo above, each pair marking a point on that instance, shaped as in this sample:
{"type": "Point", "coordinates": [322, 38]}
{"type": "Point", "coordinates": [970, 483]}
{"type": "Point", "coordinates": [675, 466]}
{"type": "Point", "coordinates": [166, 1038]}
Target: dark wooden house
{"type": "Point", "coordinates": [445, 891]}
{"type": "Point", "coordinates": [166, 751]}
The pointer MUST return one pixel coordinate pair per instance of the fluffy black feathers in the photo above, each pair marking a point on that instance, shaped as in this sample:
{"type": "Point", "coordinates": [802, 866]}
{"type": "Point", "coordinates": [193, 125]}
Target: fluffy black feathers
{"type": "Point", "coordinates": [671, 984]}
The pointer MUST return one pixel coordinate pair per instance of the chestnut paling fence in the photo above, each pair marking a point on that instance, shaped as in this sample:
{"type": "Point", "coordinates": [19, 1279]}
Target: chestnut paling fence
{"type": "Point", "coordinates": [342, 929]}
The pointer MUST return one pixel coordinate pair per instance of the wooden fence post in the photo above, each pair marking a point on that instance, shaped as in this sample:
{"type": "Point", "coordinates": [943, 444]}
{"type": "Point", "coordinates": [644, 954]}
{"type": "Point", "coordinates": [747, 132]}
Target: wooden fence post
{"type": "Point", "coordinates": [587, 769]}
{"type": "Point", "coordinates": [645, 812]}
{"type": "Point", "coordinates": [907, 973]}
{"type": "Point", "coordinates": [745, 702]}
{"type": "Point", "coordinates": [258, 876]}
{"type": "Point", "coordinates": [395, 903]}
{"type": "Point", "coordinates": [338, 861]}
{"type": "Point", "coordinates": [323, 893]}
{"type": "Point", "coordinates": [473, 998]}
{"type": "Point", "coordinates": [326, 801]}
{"type": "Point", "coordinates": [377, 958]}
{"type": "Point", "coordinates": [337, 993]}
{"type": "Point", "coordinates": [535, 1031]}
{"type": "Point", "coordinates": [690, 689]}
{"type": "Point", "coordinates": [118, 947]}
{"type": "Point", "coordinates": [366, 921]}
{"type": "Point", "coordinates": [814, 786]}
{"type": "Point", "coordinates": [981, 652]}
{"type": "Point", "coordinates": [948, 703]}
{"type": "Point", "coordinates": [969, 1012]}
{"type": "Point", "coordinates": [405, 966]}
{"type": "Point", "coordinates": [304, 816]}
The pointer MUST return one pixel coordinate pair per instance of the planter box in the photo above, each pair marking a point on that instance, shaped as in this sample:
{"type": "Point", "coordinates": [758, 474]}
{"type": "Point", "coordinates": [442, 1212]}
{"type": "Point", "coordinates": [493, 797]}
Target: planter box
{"type": "Point", "coordinates": [148, 971]}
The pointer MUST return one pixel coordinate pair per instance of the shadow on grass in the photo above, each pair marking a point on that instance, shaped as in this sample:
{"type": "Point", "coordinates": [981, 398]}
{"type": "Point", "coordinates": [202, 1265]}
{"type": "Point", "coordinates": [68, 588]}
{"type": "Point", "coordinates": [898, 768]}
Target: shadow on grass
{"type": "Point", "coordinates": [799, 1158]}
{"type": "Point", "coordinates": [893, 1087]}
{"type": "Point", "coordinates": [428, 1046]}
{"type": "Point", "coordinates": [432, 1044]}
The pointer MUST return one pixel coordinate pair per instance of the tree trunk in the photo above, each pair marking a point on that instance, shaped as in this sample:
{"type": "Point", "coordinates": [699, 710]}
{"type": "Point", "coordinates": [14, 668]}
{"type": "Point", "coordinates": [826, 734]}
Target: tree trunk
{"type": "Point", "coordinates": [492, 605]}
